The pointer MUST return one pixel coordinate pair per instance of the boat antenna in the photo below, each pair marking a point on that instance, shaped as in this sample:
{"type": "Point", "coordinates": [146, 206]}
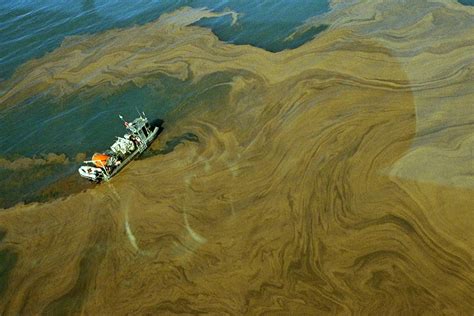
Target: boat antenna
{"type": "Point", "coordinates": [124, 122]}
{"type": "Point", "coordinates": [139, 112]}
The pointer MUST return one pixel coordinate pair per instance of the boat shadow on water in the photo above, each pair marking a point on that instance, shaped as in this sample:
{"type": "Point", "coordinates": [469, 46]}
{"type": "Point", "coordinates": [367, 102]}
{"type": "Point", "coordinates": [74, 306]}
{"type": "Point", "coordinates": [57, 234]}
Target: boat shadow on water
{"type": "Point", "coordinates": [170, 145]}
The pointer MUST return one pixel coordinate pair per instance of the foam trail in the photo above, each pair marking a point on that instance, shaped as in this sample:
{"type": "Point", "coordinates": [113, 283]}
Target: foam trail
{"type": "Point", "coordinates": [191, 232]}
{"type": "Point", "coordinates": [131, 237]}
{"type": "Point", "coordinates": [128, 230]}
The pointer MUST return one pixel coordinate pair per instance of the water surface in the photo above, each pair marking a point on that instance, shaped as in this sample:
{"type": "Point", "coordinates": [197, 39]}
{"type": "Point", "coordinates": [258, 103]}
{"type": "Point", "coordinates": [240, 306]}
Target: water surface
{"type": "Point", "coordinates": [88, 121]}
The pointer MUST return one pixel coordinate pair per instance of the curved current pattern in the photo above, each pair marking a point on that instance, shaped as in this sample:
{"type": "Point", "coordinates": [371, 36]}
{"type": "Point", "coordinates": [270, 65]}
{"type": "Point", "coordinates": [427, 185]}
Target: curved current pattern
{"type": "Point", "coordinates": [332, 178]}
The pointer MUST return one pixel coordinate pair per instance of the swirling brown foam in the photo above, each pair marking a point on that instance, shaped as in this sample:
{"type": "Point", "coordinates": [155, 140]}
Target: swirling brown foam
{"type": "Point", "coordinates": [302, 195]}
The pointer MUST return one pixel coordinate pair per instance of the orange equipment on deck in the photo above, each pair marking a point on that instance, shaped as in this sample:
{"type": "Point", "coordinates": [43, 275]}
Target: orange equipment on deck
{"type": "Point", "coordinates": [100, 160]}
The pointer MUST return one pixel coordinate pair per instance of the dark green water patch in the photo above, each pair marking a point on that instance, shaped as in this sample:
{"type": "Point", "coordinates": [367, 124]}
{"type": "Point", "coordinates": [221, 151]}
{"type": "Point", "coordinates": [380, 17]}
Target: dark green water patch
{"type": "Point", "coordinates": [275, 45]}
{"type": "Point", "coordinates": [8, 259]}
{"type": "Point", "coordinates": [61, 188]}
{"type": "Point", "coordinates": [263, 24]}
{"type": "Point", "coordinates": [466, 2]}
{"type": "Point", "coordinates": [72, 301]}
{"type": "Point", "coordinates": [39, 183]}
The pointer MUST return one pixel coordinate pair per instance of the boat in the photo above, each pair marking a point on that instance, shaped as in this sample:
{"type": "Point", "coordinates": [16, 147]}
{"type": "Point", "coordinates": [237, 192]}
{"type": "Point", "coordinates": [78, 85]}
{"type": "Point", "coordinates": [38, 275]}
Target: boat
{"type": "Point", "coordinates": [104, 166]}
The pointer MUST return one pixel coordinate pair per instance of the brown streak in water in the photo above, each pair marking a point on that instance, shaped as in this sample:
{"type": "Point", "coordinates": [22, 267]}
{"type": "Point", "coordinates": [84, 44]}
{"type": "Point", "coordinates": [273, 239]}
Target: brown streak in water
{"type": "Point", "coordinates": [313, 147]}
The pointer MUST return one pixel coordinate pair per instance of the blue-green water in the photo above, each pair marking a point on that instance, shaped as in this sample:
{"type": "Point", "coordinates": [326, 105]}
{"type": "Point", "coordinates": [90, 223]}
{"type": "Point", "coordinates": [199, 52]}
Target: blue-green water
{"type": "Point", "coordinates": [88, 121]}
{"type": "Point", "coordinates": [29, 29]}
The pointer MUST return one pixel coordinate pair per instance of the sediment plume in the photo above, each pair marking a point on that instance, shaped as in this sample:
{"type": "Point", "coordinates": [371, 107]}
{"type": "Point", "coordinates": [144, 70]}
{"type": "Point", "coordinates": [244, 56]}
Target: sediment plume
{"type": "Point", "coordinates": [27, 162]}
{"type": "Point", "coordinates": [306, 188]}
{"type": "Point", "coordinates": [40, 178]}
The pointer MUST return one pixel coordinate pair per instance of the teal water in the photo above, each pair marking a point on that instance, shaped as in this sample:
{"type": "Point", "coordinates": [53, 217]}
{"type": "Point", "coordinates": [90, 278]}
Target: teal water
{"type": "Point", "coordinates": [88, 122]}
{"type": "Point", "coordinates": [29, 29]}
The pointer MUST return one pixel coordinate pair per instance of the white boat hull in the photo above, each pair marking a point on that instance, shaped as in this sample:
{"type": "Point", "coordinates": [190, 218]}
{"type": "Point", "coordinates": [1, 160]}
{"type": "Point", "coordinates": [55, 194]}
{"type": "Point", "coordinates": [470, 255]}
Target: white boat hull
{"type": "Point", "coordinates": [122, 151]}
